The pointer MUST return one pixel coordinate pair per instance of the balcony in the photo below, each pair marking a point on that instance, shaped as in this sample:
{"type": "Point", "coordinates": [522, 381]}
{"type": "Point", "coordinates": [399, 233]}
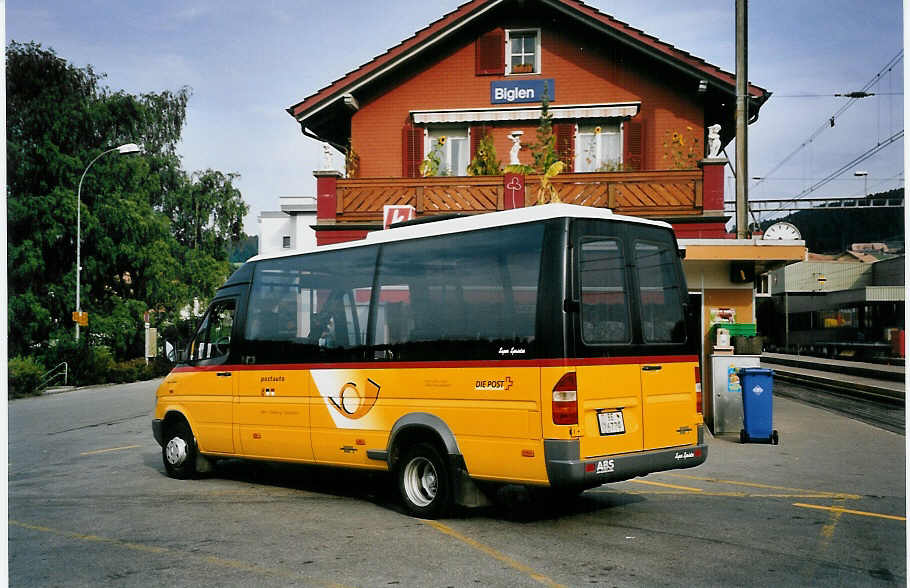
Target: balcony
{"type": "Point", "coordinates": [663, 194]}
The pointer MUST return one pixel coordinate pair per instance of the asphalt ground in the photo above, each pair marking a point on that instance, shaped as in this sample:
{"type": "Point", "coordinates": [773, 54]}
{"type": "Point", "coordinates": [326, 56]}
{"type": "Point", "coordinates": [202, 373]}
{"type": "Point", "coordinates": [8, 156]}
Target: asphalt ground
{"type": "Point", "coordinates": [89, 504]}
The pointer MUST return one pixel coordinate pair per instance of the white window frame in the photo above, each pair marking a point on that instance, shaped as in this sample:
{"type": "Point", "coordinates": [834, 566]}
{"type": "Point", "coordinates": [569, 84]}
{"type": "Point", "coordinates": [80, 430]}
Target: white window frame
{"type": "Point", "coordinates": [449, 132]}
{"type": "Point", "coordinates": [598, 145]}
{"type": "Point", "coordinates": [508, 51]}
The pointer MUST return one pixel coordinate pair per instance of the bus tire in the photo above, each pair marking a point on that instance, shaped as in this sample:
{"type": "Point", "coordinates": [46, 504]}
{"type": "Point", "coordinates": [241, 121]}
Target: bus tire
{"type": "Point", "coordinates": [179, 451]}
{"type": "Point", "coordinates": [424, 482]}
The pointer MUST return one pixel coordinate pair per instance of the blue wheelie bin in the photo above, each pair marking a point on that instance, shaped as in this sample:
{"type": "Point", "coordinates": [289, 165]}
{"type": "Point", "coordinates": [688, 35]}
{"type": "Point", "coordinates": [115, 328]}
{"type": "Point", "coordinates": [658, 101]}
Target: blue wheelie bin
{"type": "Point", "coordinates": [758, 403]}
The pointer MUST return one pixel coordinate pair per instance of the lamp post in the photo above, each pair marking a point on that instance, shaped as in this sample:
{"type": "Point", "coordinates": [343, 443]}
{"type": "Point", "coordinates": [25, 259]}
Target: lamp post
{"type": "Point", "coordinates": [124, 149]}
{"type": "Point", "coordinates": [865, 175]}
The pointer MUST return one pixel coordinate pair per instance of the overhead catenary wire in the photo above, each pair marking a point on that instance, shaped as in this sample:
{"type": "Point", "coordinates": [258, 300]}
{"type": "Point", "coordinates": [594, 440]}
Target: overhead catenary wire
{"type": "Point", "coordinates": [830, 120]}
{"type": "Point", "coordinates": [859, 159]}
{"type": "Point", "coordinates": [838, 95]}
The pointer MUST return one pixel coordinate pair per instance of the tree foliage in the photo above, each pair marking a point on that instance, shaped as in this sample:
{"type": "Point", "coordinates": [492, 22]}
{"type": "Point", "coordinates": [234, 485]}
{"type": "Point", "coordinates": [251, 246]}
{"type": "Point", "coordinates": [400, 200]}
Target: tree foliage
{"type": "Point", "coordinates": [134, 209]}
{"type": "Point", "coordinates": [544, 149]}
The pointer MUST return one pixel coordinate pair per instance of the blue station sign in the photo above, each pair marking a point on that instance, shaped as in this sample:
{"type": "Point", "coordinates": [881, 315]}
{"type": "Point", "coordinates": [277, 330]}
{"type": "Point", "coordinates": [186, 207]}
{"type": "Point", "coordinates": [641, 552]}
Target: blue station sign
{"type": "Point", "coordinates": [521, 91]}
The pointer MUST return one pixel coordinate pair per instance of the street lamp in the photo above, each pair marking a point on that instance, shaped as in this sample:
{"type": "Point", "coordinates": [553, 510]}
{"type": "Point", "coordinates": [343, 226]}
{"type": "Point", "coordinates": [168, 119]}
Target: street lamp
{"type": "Point", "coordinates": [124, 149]}
{"type": "Point", "coordinates": [865, 175]}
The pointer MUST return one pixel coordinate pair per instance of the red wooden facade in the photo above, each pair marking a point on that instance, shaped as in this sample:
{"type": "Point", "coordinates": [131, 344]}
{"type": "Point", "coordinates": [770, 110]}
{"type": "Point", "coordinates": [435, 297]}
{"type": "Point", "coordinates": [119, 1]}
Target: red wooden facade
{"type": "Point", "coordinates": [648, 90]}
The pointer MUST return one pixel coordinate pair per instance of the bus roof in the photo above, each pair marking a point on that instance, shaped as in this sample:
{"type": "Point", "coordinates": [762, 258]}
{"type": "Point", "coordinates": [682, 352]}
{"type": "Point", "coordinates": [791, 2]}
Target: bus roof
{"type": "Point", "coordinates": [473, 223]}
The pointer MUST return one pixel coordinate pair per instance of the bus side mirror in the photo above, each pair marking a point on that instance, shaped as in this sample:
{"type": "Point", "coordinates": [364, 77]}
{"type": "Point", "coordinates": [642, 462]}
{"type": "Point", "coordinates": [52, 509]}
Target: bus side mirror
{"type": "Point", "coordinates": [181, 356]}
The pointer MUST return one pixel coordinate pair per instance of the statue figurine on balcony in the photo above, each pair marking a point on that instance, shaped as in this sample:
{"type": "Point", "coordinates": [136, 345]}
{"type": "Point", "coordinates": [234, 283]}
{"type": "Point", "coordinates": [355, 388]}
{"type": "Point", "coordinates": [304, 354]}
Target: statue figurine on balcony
{"type": "Point", "coordinates": [713, 141]}
{"type": "Point", "coordinates": [326, 157]}
{"type": "Point", "coordinates": [516, 147]}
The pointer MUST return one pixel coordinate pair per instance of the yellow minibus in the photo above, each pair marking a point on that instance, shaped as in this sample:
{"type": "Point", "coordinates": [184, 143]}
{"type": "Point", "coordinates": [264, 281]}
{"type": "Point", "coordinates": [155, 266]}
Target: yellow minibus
{"type": "Point", "coordinates": [544, 346]}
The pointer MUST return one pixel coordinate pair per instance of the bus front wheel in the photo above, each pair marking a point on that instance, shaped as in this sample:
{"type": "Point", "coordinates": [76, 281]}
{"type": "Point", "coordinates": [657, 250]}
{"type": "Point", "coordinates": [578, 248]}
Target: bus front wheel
{"type": "Point", "coordinates": [424, 482]}
{"type": "Point", "coordinates": [179, 451]}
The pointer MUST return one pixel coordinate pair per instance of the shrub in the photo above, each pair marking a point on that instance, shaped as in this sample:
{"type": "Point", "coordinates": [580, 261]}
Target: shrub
{"type": "Point", "coordinates": [98, 364]}
{"type": "Point", "coordinates": [123, 372]}
{"type": "Point", "coordinates": [158, 367]}
{"type": "Point", "coordinates": [135, 370]}
{"type": "Point", "coordinates": [485, 162]}
{"type": "Point", "coordinates": [24, 376]}
{"type": "Point", "coordinates": [87, 364]}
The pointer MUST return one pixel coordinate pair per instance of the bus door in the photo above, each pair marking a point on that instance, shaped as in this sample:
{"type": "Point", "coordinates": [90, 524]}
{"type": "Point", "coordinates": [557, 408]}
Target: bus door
{"type": "Point", "coordinates": [608, 379]}
{"type": "Point", "coordinates": [667, 371]}
{"type": "Point", "coordinates": [207, 389]}
{"type": "Point", "coordinates": [272, 414]}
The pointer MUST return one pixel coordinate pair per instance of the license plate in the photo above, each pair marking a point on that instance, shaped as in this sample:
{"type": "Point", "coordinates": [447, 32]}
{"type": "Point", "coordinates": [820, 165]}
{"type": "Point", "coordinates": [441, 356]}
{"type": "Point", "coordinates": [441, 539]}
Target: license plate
{"type": "Point", "coordinates": [611, 423]}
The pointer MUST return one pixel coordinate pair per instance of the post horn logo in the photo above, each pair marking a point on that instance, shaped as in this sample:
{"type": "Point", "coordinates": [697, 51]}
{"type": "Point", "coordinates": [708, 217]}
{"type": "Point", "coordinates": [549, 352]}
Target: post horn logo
{"type": "Point", "coordinates": [353, 403]}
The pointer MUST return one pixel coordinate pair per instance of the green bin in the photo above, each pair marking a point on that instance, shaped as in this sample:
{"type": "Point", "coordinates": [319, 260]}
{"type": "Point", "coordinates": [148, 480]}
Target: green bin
{"type": "Point", "coordinates": [744, 329]}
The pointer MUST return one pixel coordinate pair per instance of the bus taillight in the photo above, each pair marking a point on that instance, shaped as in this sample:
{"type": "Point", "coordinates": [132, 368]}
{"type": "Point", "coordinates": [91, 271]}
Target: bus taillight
{"type": "Point", "coordinates": [698, 394]}
{"type": "Point", "coordinates": [565, 400]}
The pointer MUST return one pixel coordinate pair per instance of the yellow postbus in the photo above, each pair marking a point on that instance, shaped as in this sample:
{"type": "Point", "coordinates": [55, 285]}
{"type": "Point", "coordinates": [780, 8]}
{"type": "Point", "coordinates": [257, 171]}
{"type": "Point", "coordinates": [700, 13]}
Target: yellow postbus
{"type": "Point", "coordinates": [544, 346]}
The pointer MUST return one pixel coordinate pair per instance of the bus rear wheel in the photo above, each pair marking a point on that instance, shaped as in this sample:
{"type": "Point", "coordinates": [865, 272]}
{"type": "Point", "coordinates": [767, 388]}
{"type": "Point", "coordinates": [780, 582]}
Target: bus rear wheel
{"type": "Point", "coordinates": [179, 451]}
{"type": "Point", "coordinates": [424, 482]}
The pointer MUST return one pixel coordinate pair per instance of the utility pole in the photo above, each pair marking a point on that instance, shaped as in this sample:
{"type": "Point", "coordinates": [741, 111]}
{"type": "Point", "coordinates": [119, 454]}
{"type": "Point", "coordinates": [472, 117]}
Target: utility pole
{"type": "Point", "coordinates": [742, 118]}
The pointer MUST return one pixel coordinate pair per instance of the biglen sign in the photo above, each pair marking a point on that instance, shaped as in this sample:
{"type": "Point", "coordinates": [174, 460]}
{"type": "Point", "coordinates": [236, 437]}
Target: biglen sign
{"type": "Point", "coordinates": [521, 91]}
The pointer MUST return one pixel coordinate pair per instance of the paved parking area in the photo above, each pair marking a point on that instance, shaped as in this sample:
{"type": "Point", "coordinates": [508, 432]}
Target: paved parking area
{"type": "Point", "coordinates": [89, 503]}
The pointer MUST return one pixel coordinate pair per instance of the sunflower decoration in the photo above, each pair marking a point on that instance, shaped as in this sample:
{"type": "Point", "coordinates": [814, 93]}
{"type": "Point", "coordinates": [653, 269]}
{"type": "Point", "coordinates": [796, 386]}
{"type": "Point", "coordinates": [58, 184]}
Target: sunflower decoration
{"type": "Point", "coordinates": [681, 149]}
{"type": "Point", "coordinates": [597, 130]}
{"type": "Point", "coordinates": [441, 140]}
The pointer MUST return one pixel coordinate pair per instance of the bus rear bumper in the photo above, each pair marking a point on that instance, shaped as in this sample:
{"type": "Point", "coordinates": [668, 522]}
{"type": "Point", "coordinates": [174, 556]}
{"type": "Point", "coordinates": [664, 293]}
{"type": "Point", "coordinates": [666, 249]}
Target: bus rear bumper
{"type": "Point", "coordinates": [565, 469]}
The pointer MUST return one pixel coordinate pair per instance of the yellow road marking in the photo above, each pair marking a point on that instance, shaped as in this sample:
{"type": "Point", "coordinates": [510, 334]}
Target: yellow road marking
{"type": "Point", "coordinates": [828, 530]}
{"type": "Point", "coordinates": [839, 509]}
{"type": "Point", "coordinates": [718, 494]}
{"type": "Point", "coordinates": [841, 495]}
{"type": "Point", "coordinates": [218, 561]}
{"type": "Point", "coordinates": [662, 485]}
{"type": "Point", "coordinates": [97, 451]}
{"type": "Point", "coordinates": [492, 553]}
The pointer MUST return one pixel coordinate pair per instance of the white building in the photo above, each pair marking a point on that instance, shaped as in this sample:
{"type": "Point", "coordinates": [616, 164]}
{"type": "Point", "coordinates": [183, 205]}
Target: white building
{"type": "Point", "coordinates": [288, 228]}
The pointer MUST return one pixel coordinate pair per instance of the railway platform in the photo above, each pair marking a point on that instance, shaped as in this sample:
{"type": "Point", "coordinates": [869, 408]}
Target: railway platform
{"type": "Point", "coordinates": [877, 381]}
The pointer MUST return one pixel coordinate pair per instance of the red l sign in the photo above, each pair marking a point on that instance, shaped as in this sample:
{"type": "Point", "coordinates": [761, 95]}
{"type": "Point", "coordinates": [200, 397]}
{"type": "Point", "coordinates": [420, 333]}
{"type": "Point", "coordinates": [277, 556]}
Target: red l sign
{"type": "Point", "coordinates": [397, 213]}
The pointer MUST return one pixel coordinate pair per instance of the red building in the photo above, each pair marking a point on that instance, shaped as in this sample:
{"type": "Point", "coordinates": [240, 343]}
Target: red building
{"type": "Point", "coordinates": [630, 116]}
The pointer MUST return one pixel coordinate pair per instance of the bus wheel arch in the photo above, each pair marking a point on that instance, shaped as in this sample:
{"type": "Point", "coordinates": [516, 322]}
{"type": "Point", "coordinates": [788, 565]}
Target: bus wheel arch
{"type": "Point", "coordinates": [423, 456]}
{"type": "Point", "coordinates": [419, 427]}
{"type": "Point", "coordinates": [178, 448]}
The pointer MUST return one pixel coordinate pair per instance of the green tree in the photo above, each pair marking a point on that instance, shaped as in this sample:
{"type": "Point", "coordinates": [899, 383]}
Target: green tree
{"type": "Point", "coordinates": [485, 162]}
{"type": "Point", "coordinates": [544, 150]}
{"type": "Point", "coordinates": [207, 213]}
{"type": "Point", "coordinates": [59, 118]}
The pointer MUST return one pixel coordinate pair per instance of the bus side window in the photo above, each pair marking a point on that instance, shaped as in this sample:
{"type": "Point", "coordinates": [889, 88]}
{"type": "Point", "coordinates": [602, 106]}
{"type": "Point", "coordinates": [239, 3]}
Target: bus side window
{"type": "Point", "coordinates": [310, 307]}
{"type": "Point", "coordinates": [470, 295]}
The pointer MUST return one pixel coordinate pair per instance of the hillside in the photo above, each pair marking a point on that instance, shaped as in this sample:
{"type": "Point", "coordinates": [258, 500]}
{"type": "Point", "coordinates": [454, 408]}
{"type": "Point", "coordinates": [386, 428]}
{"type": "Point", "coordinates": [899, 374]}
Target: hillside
{"type": "Point", "coordinates": [827, 230]}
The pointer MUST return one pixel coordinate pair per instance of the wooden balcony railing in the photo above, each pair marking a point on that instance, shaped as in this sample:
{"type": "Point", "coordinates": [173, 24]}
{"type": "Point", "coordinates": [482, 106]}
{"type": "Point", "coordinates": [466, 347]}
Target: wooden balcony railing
{"type": "Point", "coordinates": [652, 193]}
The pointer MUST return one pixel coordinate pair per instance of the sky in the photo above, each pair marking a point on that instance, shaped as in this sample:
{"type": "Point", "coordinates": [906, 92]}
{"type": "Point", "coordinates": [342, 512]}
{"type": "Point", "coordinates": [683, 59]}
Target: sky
{"type": "Point", "coordinates": [246, 62]}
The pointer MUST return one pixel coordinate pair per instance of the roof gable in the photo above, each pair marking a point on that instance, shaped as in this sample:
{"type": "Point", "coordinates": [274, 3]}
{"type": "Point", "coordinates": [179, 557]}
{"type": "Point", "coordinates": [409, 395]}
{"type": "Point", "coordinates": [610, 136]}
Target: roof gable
{"type": "Point", "coordinates": [470, 11]}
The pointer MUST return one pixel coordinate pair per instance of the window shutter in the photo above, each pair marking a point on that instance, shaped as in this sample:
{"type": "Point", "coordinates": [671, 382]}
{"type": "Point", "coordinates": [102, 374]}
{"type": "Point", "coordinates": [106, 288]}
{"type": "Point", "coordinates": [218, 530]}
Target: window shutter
{"type": "Point", "coordinates": [565, 143]}
{"type": "Point", "coordinates": [633, 151]}
{"type": "Point", "coordinates": [411, 151]}
{"type": "Point", "coordinates": [477, 133]}
{"type": "Point", "coordinates": [490, 53]}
